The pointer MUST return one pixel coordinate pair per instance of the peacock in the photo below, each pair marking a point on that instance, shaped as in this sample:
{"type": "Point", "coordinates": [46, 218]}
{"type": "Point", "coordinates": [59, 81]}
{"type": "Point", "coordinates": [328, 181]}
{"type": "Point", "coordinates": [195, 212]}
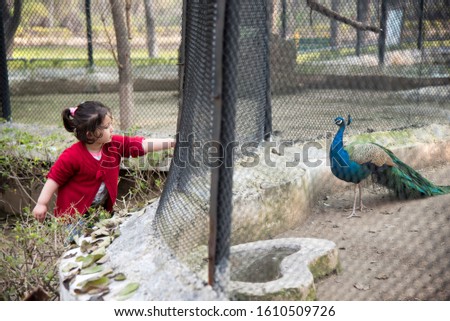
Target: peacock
{"type": "Point", "coordinates": [359, 161]}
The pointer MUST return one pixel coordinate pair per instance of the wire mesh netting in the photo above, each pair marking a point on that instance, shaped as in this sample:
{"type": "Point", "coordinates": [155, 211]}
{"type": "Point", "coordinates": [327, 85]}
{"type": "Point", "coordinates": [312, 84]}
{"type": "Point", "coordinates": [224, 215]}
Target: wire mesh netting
{"type": "Point", "coordinates": [310, 71]}
{"type": "Point", "coordinates": [64, 52]}
{"type": "Point", "coordinates": [278, 71]}
{"type": "Point", "coordinates": [188, 186]}
{"type": "Point", "coordinates": [321, 64]}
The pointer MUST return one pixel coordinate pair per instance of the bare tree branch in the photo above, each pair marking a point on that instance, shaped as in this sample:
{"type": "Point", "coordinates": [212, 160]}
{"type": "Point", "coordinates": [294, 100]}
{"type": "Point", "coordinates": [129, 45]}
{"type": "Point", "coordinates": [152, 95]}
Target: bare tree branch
{"type": "Point", "coordinates": [118, 10]}
{"type": "Point", "coordinates": [128, 18]}
{"type": "Point", "coordinates": [334, 15]}
{"type": "Point", "coordinates": [110, 42]}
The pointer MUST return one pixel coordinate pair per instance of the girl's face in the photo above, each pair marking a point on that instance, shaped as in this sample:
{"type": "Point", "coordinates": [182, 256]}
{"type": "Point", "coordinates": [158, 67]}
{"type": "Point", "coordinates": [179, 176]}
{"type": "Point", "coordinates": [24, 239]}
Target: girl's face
{"type": "Point", "coordinates": [105, 131]}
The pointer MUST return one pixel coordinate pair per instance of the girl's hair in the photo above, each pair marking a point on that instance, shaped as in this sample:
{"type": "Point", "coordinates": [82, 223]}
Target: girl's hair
{"type": "Point", "coordinates": [86, 118]}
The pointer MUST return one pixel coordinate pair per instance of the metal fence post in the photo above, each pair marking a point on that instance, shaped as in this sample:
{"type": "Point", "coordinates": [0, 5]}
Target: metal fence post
{"type": "Point", "coordinates": [268, 112]}
{"type": "Point", "coordinates": [283, 19]}
{"type": "Point", "coordinates": [4, 80]}
{"type": "Point", "coordinates": [89, 33]}
{"type": "Point", "coordinates": [421, 17]}
{"type": "Point", "coordinates": [214, 209]}
{"type": "Point", "coordinates": [225, 100]}
{"type": "Point", "coordinates": [382, 36]}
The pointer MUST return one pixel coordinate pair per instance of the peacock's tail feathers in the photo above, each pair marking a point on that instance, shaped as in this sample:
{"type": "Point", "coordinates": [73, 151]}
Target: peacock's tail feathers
{"type": "Point", "coordinates": [369, 153]}
{"type": "Point", "coordinates": [405, 181]}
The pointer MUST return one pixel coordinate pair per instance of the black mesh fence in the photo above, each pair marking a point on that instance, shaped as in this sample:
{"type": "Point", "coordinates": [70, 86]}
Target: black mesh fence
{"type": "Point", "coordinates": [297, 69]}
{"type": "Point", "coordinates": [58, 59]}
{"type": "Point", "coordinates": [245, 92]}
{"type": "Point", "coordinates": [188, 186]}
{"type": "Point", "coordinates": [320, 64]}
{"type": "Point", "coordinates": [278, 71]}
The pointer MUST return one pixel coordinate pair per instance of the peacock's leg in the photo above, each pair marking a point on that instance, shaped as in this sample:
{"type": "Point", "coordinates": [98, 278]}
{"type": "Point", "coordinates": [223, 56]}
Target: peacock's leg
{"type": "Point", "coordinates": [354, 204]}
{"type": "Point", "coordinates": [361, 205]}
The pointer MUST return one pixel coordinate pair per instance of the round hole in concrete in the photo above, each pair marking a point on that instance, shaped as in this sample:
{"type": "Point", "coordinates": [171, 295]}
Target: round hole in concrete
{"type": "Point", "coordinates": [258, 267]}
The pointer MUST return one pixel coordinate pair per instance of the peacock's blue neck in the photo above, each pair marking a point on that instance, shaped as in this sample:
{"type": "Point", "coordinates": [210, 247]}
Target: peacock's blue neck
{"type": "Point", "coordinates": [341, 164]}
{"type": "Point", "coordinates": [338, 142]}
{"type": "Point", "coordinates": [338, 155]}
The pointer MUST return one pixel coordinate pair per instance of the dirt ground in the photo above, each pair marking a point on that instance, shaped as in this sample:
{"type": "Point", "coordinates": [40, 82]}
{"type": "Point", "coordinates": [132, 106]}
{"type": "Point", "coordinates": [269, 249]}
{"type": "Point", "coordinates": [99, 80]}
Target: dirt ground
{"type": "Point", "coordinates": [395, 250]}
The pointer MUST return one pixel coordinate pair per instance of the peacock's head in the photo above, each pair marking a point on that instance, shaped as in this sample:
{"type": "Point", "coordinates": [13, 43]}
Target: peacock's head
{"type": "Point", "coordinates": [340, 121]}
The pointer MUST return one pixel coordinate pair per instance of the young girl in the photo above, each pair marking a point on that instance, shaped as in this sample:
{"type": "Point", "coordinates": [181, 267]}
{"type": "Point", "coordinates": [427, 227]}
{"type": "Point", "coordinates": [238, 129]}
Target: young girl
{"type": "Point", "coordinates": [87, 173]}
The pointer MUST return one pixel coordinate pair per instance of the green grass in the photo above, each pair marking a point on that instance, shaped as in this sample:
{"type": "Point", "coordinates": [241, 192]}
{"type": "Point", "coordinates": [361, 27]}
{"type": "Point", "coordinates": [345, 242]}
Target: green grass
{"type": "Point", "coordinates": [307, 63]}
{"type": "Point", "coordinates": [344, 52]}
{"type": "Point", "coordinates": [75, 57]}
{"type": "Point", "coordinates": [65, 52]}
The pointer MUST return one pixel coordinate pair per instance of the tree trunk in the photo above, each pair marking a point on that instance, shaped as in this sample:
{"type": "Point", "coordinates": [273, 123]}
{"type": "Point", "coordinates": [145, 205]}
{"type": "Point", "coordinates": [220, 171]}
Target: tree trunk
{"type": "Point", "coordinates": [11, 23]}
{"type": "Point", "coordinates": [363, 14]}
{"type": "Point", "coordinates": [334, 25]}
{"type": "Point", "coordinates": [124, 58]}
{"type": "Point", "coordinates": [51, 13]}
{"type": "Point", "coordinates": [150, 26]}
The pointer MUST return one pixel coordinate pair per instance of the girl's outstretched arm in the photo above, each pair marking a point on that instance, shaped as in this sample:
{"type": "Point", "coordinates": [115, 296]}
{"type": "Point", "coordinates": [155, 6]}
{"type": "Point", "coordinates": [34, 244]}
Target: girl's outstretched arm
{"type": "Point", "coordinates": [156, 144]}
{"type": "Point", "coordinates": [40, 210]}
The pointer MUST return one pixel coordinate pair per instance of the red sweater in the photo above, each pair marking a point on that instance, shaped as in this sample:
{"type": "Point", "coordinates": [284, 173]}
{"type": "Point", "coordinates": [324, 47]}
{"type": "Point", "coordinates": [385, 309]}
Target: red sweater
{"type": "Point", "coordinates": [79, 175]}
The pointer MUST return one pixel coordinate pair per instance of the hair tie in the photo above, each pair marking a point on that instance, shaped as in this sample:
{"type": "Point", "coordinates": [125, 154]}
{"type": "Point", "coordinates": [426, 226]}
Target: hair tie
{"type": "Point", "coordinates": [73, 110]}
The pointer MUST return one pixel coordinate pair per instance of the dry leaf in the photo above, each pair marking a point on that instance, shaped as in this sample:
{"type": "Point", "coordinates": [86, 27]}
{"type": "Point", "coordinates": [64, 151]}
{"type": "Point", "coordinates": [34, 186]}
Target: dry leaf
{"type": "Point", "coordinates": [106, 272]}
{"type": "Point", "coordinates": [85, 246]}
{"type": "Point", "coordinates": [88, 261]}
{"type": "Point", "coordinates": [99, 253]}
{"type": "Point", "coordinates": [69, 267]}
{"type": "Point", "coordinates": [127, 291]}
{"type": "Point", "coordinates": [103, 260]}
{"type": "Point", "coordinates": [92, 269]}
{"type": "Point", "coordinates": [100, 232]}
{"type": "Point", "coordinates": [103, 242]}
{"type": "Point", "coordinates": [93, 286]}
{"type": "Point", "coordinates": [119, 277]}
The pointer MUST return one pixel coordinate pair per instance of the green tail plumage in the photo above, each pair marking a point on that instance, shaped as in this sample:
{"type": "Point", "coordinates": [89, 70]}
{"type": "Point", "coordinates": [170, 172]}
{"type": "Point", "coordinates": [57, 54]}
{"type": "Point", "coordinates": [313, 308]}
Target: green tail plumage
{"type": "Point", "coordinates": [405, 181]}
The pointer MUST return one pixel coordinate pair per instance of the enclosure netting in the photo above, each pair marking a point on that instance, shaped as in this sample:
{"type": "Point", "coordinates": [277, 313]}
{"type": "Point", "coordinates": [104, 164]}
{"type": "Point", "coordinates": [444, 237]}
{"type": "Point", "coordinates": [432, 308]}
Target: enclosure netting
{"type": "Point", "coordinates": [296, 71]}
{"type": "Point", "coordinates": [51, 65]}
{"type": "Point", "coordinates": [287, 71]}
{"type": "Point", "coordinates": [188, 186]}
{"type": "Point", "coordinates": [316, 67]}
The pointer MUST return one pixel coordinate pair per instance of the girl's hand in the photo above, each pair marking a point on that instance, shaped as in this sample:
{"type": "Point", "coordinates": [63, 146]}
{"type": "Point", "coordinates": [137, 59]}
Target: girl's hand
{"type": "Point", "coordinates": [172, 142]}
{"type": "Point", "coordinates": [39, 212]}
{"type": "Point", "coordinates": [157, 144]}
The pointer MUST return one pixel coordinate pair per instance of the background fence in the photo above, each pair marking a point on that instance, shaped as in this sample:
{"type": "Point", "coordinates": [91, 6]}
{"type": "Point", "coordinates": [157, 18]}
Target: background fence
{"type": "Point", "coordinates": [288, 71]}
{"type": "Point", "coordinates": [56, 59]}
{"type": "Point", "coordinates": [59, 60]}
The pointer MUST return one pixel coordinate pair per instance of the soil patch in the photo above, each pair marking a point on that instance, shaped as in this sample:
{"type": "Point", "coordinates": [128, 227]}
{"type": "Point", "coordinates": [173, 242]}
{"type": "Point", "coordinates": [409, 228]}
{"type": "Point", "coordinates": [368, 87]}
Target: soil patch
{"type": "Point", "coordinates": [396, 249]}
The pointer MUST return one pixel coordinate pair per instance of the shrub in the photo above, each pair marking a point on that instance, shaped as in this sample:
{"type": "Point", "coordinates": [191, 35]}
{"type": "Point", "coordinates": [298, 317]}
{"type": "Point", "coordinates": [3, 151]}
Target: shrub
{"type": "Point", "coordinates": [29, 256]}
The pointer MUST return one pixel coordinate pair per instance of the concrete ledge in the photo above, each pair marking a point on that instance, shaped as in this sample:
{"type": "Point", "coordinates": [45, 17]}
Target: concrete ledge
{"type": "Point", "coordinates": [145, 261]}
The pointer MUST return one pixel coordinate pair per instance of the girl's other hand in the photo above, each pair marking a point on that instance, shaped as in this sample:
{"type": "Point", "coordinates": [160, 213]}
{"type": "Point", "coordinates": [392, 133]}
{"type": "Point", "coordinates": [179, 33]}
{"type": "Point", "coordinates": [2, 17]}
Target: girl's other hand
{"type": "Point", "coordinates": [39, 212]}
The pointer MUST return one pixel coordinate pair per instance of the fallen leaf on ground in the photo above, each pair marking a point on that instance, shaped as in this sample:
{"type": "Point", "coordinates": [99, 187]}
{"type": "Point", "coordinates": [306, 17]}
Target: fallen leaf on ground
{"type": "Point", "coordinates": [127, 291]}
{"type": "Point", "coordinates": [361, 286]}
